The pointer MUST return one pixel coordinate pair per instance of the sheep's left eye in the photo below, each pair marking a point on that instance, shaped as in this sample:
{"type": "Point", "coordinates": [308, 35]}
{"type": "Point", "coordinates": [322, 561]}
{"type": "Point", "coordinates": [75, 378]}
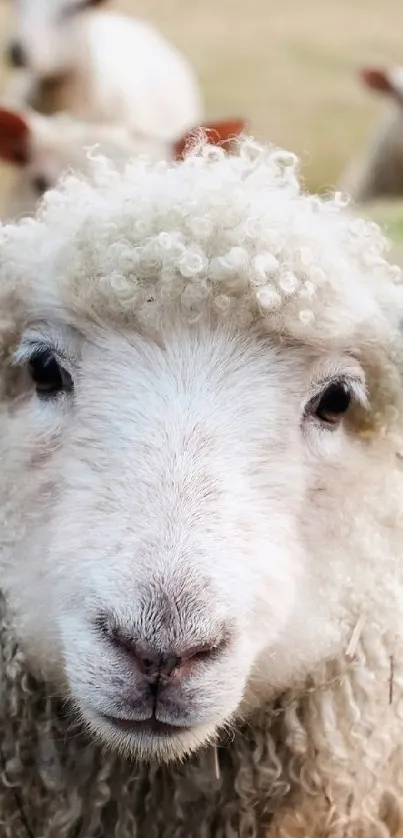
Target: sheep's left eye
{"type": "Point", "coordinates": [333, 403]}
{"type": "Point", "coordinates": [49, 377]}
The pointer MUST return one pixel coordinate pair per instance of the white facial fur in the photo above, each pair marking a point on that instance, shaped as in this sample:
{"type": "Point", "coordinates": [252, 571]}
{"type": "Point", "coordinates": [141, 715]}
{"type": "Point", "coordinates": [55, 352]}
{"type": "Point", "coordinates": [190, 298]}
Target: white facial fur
{"type": "Point", "coordinates": [48, 32]}
{"type": "Point", "coordinates": [168, 496]}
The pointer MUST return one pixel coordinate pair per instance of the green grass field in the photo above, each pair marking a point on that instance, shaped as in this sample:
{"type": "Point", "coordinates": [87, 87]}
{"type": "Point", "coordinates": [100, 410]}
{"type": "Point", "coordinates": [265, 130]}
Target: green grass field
{"type": "Point", "coordinates": [288, 66]}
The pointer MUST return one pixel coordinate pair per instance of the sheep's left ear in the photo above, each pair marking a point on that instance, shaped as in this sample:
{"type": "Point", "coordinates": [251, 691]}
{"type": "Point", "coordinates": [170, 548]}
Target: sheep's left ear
{"type": "Point", "coordinates": [14, 137]}
{"type": "Point", "coordinates": [222, 133]}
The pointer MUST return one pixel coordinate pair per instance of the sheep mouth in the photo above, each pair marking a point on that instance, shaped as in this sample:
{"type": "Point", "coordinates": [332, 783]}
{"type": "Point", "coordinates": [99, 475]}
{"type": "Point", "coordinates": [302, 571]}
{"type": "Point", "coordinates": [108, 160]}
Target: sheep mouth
{"type": "Point", "coordinates": [148, 726]}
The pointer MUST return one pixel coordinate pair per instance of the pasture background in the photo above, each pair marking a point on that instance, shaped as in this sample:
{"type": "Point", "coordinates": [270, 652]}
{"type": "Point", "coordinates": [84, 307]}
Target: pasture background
{"type": "Point", "coordinates": [288, 66]}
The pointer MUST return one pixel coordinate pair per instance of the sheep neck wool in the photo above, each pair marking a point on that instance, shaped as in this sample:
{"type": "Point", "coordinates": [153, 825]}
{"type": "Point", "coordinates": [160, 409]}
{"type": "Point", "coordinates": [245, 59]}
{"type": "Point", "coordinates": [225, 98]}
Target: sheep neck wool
{"type": "Point", "coordinates": [58, 784]}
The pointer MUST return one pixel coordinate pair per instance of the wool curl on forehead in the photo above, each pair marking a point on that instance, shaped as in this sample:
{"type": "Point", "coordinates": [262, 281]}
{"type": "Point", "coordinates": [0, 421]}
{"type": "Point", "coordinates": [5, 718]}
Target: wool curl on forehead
{"type": "Point", "coordinates": [231, 235]}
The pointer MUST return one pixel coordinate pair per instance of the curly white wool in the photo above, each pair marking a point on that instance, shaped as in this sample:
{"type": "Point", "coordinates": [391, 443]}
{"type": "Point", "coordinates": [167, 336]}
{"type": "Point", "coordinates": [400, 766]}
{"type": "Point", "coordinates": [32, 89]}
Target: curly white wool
{"type": "Point", "coordinates": [216, 236]}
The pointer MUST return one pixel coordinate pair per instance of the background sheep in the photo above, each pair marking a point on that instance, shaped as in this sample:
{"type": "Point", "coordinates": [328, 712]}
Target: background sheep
{"type": "Point", "coordinates": [200, 507]}
{"type": "Point", "coordinates": [380, 173]}
{"type": "Point", "coordinates": [100, 66]}
{"type": "Point", "coordinates": [42, 148]}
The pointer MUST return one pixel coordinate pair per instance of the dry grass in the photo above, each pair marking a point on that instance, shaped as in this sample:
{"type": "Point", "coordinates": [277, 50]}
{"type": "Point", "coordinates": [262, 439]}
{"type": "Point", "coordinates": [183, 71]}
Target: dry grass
{"type": "Point", "coordinates": [289, 66]}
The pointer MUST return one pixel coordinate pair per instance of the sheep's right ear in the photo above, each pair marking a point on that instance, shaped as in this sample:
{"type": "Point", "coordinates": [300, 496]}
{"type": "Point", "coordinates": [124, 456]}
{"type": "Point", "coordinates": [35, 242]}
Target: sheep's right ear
{"type": "Point", "coordinates": [222, 132]}
{"type": "Point", "coordinates": [14, 137]}
{"type": "Point", "coordinates": [376, 78]}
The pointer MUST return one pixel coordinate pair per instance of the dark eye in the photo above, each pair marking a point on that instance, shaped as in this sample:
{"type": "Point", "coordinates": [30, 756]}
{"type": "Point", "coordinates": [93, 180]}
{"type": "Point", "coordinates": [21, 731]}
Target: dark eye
{"type": "Point", "coordinates": [49, 377]}
{"type": "Point", "coordinates": [40, 184]}
{"type": "Point", "coordinates": [333, 403]}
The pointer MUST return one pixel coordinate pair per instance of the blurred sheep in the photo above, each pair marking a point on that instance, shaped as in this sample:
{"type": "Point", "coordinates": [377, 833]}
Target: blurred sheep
{"type": "Point", "coordinates": [379, 172]}
{"type": "Point", "coordinates": [100, 66]}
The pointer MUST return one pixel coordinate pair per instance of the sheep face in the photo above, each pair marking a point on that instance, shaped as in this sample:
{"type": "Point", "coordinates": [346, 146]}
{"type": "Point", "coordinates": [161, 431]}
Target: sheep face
{"type": "Point", "coordinates": [46, 35]}
{"type": "Point", "coordinates": [191, 519]}
{"type": "Point", "coordinates": [165, 480]}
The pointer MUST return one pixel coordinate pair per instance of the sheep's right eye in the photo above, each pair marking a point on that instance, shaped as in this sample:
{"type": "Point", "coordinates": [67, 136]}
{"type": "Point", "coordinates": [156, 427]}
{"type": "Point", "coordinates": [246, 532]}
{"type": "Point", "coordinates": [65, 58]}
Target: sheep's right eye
{"type": "Point", "coordinates": [40, 184]}
{"type": "Point", "coordinates": [332, 404]}
{"type": "Point", "coordinates": [48, 375]}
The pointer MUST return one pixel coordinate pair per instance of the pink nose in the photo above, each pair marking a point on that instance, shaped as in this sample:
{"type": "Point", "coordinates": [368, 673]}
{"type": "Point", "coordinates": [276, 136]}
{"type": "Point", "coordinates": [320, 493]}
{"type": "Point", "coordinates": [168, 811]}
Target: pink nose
{"type": "Point", "coordinates": [154, 664]}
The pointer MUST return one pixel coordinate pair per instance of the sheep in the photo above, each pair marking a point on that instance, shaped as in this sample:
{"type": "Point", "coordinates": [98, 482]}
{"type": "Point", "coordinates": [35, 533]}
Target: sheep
{"type": "Point", "coordinates": [100, 66]}
{"type": "Point", "coordinates": [200, 508]}
{"type": "Point", "coordinates": [42, 148]}
{"type": "Point", "coordinates": [380, 173]}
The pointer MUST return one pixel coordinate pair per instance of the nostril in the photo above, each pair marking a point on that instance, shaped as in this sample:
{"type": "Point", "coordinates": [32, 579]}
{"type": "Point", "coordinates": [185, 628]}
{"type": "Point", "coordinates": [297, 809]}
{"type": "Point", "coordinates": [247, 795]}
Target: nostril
{"type": "Point", "coordinates": [149, 660]}
{"type": "Point", "coordinates": [153, 663]}
{"type": "Point", "coordinates": [16, 55]}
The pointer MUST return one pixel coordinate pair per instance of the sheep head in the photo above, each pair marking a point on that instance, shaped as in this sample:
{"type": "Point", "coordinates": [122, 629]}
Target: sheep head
{"type": "Point", "coordinates": [45, 34]}
{"type": "Point", "coordinates": [199, 401]}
